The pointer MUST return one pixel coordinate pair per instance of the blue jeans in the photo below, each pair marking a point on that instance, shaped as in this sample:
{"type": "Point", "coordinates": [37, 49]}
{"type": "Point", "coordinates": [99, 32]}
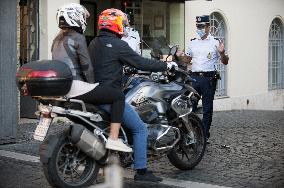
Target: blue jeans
{"type": "Point", "coordinates": [133, 122]}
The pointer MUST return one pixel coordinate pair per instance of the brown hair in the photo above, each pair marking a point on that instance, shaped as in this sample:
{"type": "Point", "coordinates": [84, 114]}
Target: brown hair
{"type": "Point", "coordinates": [62, 33]}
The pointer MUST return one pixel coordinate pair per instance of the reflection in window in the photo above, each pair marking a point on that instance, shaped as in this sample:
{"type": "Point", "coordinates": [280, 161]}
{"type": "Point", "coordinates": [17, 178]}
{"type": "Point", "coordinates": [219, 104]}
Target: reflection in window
{"type": "Point", "coordinates": [218, 30]}
{"type": "Point", "coordinates": [275, 56]}
{"type": "Point", "coordinates": [156, 22]}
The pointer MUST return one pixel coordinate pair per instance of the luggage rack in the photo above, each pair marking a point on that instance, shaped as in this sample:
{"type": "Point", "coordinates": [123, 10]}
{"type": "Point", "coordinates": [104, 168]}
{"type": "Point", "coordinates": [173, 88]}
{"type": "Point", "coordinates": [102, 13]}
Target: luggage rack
{"type": "Point", "coordinates": [84, 113]}
{"type": "Point", "coordinates": [64, 99]}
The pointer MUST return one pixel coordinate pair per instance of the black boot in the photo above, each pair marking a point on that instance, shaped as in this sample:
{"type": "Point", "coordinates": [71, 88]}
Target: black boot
{"type": "Point", "coordinates": [146, 175]}
{"type": "Point", "coordinates": [207, 138]}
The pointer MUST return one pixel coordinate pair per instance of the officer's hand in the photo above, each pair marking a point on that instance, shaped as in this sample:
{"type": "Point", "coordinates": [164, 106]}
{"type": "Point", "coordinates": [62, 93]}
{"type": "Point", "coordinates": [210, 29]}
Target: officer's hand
{"type": "Point", "coordinates": [221, 47]}
{"type": "Point", "coordinates": [171, 66]}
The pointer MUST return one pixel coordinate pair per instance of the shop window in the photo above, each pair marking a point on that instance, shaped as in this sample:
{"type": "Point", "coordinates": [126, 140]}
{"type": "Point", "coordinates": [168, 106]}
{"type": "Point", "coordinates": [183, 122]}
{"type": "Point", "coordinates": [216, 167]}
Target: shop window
{"type": "Point", "coordinates": [159, 23]}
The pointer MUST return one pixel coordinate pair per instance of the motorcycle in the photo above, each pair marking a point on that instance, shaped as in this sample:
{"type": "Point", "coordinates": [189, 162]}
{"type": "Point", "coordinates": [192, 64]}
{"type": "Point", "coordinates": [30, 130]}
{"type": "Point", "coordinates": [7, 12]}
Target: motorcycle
{"type": "Point", "coordinates": [73, 157]}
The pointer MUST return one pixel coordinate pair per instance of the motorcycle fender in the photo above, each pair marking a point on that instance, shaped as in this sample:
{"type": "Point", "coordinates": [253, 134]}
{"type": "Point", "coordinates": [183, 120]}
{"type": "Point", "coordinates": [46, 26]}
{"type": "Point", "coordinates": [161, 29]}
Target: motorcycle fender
{"type": "Point", "coordinates": [191, 118]}
{"type": "Point", "coordinates": [48, 145]}
{"type": "Point", "coordinates": [191, 89]}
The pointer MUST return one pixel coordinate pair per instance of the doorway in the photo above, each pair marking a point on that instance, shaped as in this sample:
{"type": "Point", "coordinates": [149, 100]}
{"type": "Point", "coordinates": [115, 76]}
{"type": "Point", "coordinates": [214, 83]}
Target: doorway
{"type": "Point", "coordinates": [28, 46]}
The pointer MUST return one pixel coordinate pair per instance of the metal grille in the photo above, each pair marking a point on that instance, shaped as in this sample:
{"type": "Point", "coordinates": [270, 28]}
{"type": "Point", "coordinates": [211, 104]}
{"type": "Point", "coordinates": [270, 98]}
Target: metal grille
{"type": "Point", "coordinates": [275, 56]}
{"type": "Point", "coordinates": [28, 46]}
{"type": "Point", "coordinates": [218, 30]}
{"type": "Point", "coordinates": [29, 31]}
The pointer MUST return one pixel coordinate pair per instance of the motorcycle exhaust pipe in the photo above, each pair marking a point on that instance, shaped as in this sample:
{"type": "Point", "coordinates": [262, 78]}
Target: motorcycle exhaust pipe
{"type": "Point", "coordinates": [87, 142]}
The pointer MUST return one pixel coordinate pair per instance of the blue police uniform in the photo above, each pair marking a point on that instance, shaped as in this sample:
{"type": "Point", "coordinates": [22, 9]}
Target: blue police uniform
{"type": "Point", "coordinates": [205, 55]}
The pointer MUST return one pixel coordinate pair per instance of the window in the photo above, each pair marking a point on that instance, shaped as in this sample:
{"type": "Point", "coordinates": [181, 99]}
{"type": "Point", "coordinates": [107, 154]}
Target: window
{"type": "Point", "coordinates": [134, 9]}
{"type": "Point", "coordinates": [275, 56]}
{"type": "Point", "coordinates": [218, 30]}
{"type": "Point", "coordinates": [158, 22]}
{"type": "Point", "coordinates": [91, 30]}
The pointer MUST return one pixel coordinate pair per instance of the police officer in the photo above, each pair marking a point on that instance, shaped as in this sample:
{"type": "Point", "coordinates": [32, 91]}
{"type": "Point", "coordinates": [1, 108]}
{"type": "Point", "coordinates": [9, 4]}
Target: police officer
{"type": "Point", "coordinates": [203, 53]}
{"type": "Point", "coordinates": [132, 37]}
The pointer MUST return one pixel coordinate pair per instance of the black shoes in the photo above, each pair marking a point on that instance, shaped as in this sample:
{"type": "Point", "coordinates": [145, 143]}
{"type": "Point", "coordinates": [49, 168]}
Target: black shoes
{"type": "Point", "coordinates": [147, 176]}
{"type": "Point", "coordinates": [207, 138]}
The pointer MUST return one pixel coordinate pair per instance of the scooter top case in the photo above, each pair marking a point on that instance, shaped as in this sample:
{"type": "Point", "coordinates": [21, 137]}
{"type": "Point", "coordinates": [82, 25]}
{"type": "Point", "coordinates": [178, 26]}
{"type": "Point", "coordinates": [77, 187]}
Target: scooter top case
{"type": "Point", "coordinates": [44, 78]}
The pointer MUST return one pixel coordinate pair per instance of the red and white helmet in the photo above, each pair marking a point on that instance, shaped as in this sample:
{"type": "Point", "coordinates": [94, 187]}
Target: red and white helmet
{"type": "Point", "coordinates": [114, 20]}
{"type": "Point", "coordinates": [74, 15]}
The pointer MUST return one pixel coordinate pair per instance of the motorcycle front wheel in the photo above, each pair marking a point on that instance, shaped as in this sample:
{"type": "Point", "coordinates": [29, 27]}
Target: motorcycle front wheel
{"type": "Point", "coordinates": [68, 166]}
{"type": "Point", "coordinates": [189, 151]}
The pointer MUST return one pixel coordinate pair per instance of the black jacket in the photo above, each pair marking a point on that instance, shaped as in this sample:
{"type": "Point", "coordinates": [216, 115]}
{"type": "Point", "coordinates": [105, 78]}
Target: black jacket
{"type": "Point", "coordinates": [109, 53]}
{"type": "Point", "coordinates": [70, 47]}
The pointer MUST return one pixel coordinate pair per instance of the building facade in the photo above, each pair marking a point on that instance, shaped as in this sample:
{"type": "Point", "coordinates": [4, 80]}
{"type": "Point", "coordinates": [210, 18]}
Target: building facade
{"type": "Point", "coordinates": [252, 31]}
{"type": "Point", "coordinates": [253, 34]}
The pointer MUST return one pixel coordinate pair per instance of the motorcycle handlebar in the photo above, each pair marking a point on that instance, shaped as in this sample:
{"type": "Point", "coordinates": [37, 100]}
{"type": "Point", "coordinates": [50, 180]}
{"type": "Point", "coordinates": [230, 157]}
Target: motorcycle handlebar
{"type": "Point", "coordinates": [143, 72]}
{"type": "Point", "coordinates": [187, 79]}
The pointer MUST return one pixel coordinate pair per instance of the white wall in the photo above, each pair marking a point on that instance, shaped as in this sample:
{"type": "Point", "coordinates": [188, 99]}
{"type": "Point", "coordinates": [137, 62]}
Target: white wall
{"type": "Point", "coordinates": [48, 24]}
{"type": "Point", "coordinates": [248, 25]}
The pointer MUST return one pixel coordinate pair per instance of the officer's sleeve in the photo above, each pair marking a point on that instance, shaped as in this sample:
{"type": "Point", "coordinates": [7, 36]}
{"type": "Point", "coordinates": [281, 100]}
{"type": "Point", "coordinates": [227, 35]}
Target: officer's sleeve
{"type": "Point", "coordinates": [138, 41]}
{"type": "Point", "coordinates": [188, 52]}
{"type": "Point", "coordinates": [216, 44]}
{"type": "Point", "coordinates": [84, 59]}
{"type": "Point", "coordinates": [129, 57]}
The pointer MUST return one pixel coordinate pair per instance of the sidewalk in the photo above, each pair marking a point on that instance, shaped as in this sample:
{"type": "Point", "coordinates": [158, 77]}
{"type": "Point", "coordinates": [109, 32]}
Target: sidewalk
{"type": "Point", "coordinates": [247, 150]}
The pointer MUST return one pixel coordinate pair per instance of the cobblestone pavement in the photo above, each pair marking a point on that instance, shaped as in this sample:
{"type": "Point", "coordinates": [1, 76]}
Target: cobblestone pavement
{"type": "Point", "coordinates": [253, 155]}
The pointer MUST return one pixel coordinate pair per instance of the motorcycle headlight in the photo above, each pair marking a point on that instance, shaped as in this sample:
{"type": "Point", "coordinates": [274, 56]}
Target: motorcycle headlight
{"type": "Point", "coordinates": [181, 106]}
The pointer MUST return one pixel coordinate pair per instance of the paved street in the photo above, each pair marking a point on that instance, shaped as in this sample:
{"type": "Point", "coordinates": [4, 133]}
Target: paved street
{"type": "Point", "coordinates": [246, 150]}
{"type": "Point", "coordinates": [254, 158]}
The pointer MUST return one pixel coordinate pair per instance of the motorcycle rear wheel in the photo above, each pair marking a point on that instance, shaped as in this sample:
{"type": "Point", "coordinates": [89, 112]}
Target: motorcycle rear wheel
{"type": "Point", "coordinates": [68, 167]}
{"type": "Point", "coordinates": [186, 155]}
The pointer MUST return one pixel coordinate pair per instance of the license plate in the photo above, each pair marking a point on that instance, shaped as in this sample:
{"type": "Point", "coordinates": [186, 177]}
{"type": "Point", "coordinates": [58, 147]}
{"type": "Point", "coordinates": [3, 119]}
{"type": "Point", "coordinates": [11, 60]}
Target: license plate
{"type": "Point", "coordinates": [42, 128]}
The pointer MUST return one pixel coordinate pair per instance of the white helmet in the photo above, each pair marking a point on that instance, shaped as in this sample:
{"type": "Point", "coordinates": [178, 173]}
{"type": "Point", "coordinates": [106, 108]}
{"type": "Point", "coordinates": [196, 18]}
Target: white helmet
{"type": "Point", "coordinates": [74, 15]}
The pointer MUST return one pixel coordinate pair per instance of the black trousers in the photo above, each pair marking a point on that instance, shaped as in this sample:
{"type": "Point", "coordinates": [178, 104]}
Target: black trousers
{"type": "Point", "coordinates": [206, 87]}
{"type": "Point", "coordinates": [106, 95]}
